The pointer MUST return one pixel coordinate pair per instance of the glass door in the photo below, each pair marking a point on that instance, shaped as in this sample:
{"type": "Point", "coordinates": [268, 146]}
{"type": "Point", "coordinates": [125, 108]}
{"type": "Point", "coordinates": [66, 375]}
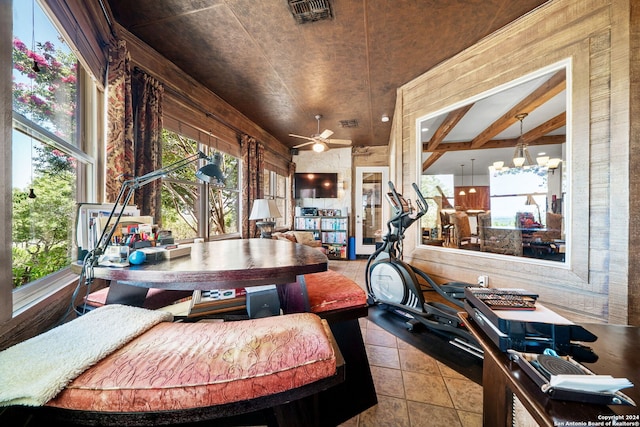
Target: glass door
{"type": "Point", "coordinates": [370, 209]}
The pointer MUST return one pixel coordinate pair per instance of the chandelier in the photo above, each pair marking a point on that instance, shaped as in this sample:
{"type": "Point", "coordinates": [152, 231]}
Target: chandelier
{"type": "Point", "coordinates": [521, 156]}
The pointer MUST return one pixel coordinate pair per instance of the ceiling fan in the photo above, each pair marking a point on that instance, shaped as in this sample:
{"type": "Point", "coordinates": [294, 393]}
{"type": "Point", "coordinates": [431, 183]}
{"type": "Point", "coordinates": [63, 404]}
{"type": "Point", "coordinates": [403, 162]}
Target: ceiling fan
{"type": "Point", "coordinates": [320, 141]}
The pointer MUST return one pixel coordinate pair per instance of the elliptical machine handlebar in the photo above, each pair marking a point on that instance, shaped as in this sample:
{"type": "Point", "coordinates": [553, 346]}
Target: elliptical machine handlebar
{"type": "Point", "coordinates": [404, 214]}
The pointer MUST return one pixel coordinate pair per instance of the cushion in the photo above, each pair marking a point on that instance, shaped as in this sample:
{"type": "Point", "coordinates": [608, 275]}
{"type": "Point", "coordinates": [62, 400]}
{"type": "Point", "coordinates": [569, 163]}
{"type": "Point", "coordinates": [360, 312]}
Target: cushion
{"type": "Point", "coordinates": [188, 365]}
{"type": "Point", "coordinates": [305, 237]}
{"type": "Point", "coordinates": [288, 236]}
{"type": "Point", "coordinates": [156, 298]}
{"type": "Point", "coordinates": [330, 290]}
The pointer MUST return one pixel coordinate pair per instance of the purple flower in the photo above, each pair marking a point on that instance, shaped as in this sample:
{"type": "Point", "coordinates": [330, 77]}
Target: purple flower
{"type": "Point", "coordinates": [18, 44]}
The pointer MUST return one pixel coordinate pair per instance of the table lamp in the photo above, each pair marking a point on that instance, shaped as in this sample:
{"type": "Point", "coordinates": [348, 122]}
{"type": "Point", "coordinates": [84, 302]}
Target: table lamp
{"type": "Point", "coordinates": [265, 211]}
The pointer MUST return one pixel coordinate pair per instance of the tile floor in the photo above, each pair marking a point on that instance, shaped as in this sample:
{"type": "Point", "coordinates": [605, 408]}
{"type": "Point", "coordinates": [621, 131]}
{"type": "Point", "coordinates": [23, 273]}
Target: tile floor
{"type": "Point", "coordinates": [413, 388]}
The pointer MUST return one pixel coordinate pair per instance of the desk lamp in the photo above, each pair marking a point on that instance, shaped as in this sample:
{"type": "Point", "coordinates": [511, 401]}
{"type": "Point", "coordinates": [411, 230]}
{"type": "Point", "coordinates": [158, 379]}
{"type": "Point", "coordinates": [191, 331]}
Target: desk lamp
{"type": "Point", "coordinates": [265, 210]}
{"type": "Point", "coordinates": [210, 173]}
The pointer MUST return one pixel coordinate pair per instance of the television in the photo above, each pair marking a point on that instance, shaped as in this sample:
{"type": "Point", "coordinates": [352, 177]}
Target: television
{"type": "Point", "coordinates": [316, 185]}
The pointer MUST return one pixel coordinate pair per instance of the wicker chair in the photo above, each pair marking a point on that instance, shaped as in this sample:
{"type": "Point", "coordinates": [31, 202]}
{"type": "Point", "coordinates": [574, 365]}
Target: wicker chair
{"type": "Point", "coordinates": [498, 240]}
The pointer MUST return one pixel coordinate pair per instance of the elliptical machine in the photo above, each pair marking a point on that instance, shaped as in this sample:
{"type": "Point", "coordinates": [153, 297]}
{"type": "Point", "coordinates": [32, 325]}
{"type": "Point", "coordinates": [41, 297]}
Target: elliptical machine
{"type": "Point", "coordinates": [396, 286]}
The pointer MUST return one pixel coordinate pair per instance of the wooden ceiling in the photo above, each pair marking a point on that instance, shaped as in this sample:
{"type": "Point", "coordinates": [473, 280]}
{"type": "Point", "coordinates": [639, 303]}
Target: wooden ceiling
{"type": "Point", "coordinates": [280, 74]}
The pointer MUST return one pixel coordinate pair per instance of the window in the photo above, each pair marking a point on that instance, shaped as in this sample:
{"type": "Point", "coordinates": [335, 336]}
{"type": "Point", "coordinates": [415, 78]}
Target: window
{"type": "Point", "coordinates": [189, 209]}
{"type": "Point", "coordinates": [516, 137]}
{"type": "Point", "coordinates": [518, 191]}
{"type": "Point", "coordinates": [276, 187]}
{"type": "Point", "coordinates": [47, 161]}
{"type": "Point", "coordinates": [438, 191]}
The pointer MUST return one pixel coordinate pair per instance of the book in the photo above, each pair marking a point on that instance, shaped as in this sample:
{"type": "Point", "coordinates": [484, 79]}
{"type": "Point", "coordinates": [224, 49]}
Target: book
{"type": "Point", "coordinates": [217, 301]}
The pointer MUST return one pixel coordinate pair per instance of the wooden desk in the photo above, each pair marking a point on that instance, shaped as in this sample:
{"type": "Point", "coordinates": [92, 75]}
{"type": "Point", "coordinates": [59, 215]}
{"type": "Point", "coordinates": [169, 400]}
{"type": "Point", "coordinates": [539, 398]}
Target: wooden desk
{"type": "Point", "coordinates": [222, 264]}
{"type": "Point", "coordinates": [617, 347]}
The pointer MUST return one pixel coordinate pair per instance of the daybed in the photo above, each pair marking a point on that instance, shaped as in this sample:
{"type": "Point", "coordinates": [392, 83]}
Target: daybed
{"type": "Point", "coordinates": [164, 373]}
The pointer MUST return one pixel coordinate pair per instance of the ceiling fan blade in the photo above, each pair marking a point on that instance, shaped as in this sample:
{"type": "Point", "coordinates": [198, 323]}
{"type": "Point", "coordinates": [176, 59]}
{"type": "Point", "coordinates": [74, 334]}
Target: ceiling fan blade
{"type": "Point", "coordinates": [302, 145]}
{"type": "Point", "coordinates": [339, 141]}
{"type": "Point", "coordinates": [325, 134]}
{"type": "Point", "coordinates": [300, 136]}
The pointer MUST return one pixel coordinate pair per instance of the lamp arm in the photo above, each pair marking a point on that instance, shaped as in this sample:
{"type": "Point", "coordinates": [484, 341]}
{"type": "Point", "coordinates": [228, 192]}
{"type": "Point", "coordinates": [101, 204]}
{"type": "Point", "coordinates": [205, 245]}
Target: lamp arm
{"type": "Point", "coordinates": [126, 192]}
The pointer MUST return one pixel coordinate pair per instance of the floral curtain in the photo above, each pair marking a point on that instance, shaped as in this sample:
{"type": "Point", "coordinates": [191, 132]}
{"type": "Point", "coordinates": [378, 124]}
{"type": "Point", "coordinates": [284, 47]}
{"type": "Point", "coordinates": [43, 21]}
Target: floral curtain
{"type": "Point", "coordinates": [252, 187]}
{"type": "Point", "coordinates": [148, 141]}
{"type": "Point", "coordinates": [120, 150]}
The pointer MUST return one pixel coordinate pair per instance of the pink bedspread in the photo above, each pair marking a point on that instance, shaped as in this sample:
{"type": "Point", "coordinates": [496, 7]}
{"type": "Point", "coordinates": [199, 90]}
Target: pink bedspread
{"type": "Point", "coordinates": [186, 365]}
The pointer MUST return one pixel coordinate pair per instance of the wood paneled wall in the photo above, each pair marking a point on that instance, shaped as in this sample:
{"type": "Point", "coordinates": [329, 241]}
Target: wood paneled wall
{"type": "Point", "coordinates": [594, 38]}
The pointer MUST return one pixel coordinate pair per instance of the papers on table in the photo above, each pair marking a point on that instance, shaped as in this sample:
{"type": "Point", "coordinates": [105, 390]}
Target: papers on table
{"type": "Point", "coordinates": [590, 383]}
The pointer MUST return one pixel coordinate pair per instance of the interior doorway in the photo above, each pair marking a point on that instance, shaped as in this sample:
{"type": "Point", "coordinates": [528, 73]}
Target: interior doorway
{"type": "Point", "coordinates": [371, 183]}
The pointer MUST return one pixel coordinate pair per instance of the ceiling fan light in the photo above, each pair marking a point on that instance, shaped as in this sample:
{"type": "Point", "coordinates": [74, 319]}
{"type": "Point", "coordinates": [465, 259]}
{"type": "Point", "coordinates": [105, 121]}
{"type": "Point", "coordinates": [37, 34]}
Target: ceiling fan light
{"type": "Point", "coordinates": [318, 147]}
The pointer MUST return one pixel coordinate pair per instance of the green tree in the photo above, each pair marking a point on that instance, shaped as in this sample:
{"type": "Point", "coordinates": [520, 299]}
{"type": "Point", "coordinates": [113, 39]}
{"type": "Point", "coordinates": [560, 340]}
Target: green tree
{"type": "Point", "coordinates": [44, 92]}
{"type": "Point", "coordinates": [180, 199]}
{"type": "Point", "coordinates": [41, 225]}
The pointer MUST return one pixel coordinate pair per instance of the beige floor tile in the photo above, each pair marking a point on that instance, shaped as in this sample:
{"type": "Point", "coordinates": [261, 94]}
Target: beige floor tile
{"type": "Point", "coordinates": [446, 371]}
{"type": "Point", "coordinates": [425, 415]}
{"type": "Point", "coordinates": [388, 381]}
{"type": "Point", "coordinates": [412, 359]}
{"type": "Point", "coordinates": [383, 356]}
{"type": "Point", "coordinates": [380, 337]}
{"type": "Point", "coordinates": [426, 389]}
{"type": "Point", "coordinates": [389, 412]}
{"type": "Point", "coordinates": [470, 419]}
{"type": "Point", "coordinates": [466, 394]}
{"type": "Point", "coordinates": [414, 390]}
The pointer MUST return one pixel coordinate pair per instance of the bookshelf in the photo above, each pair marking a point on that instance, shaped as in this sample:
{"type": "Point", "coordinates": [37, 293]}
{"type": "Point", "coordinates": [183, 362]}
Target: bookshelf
{"type": "Point", "coordinates": [332, 231]}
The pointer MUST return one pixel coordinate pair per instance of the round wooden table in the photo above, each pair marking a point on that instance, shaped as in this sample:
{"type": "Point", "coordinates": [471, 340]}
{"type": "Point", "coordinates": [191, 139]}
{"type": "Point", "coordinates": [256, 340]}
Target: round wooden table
{"type": "Point", "coordinates": [222, 264]}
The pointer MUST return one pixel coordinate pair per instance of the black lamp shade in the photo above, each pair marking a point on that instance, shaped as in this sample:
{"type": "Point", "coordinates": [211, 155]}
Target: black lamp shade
{"type": "Point", "coordinates": [211, 172]}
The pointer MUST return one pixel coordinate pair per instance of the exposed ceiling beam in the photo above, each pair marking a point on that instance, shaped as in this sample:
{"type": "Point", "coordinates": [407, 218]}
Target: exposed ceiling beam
{"type": "Point", "coordinates": [556, 84]}
{"type": "Point", "coordinates": [546, 127]}
{"type": "Point", "coordinates": [447, 126]}
{"type": "Point", "coordinates": [431, 160]}
{"type": "Point", "coordinates": [497, 143]}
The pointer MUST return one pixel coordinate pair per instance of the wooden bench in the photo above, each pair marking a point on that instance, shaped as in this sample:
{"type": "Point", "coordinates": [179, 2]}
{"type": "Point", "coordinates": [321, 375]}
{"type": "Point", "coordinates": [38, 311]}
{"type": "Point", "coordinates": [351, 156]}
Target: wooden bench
{"type": "Point", "coordinates": [267, 370]}
{"type": "Point", "coordinates": [341, 302]}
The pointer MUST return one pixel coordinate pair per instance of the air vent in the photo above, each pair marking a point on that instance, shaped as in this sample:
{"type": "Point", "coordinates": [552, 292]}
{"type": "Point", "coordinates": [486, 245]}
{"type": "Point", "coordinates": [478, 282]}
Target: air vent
{"type": "Point", "coordinates": [353, 123]}
{"type": "Point", "coordinates": [305, 11]}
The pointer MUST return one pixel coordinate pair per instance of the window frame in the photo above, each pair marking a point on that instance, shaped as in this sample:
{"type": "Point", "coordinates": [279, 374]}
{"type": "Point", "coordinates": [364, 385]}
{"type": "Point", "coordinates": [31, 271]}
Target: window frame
{"type": "Point", "coordinates": [193, 133]}
{"type": "Point", "coordinates": [90, 101]}
{"type": "Point", "coordinates": [568, 165]}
